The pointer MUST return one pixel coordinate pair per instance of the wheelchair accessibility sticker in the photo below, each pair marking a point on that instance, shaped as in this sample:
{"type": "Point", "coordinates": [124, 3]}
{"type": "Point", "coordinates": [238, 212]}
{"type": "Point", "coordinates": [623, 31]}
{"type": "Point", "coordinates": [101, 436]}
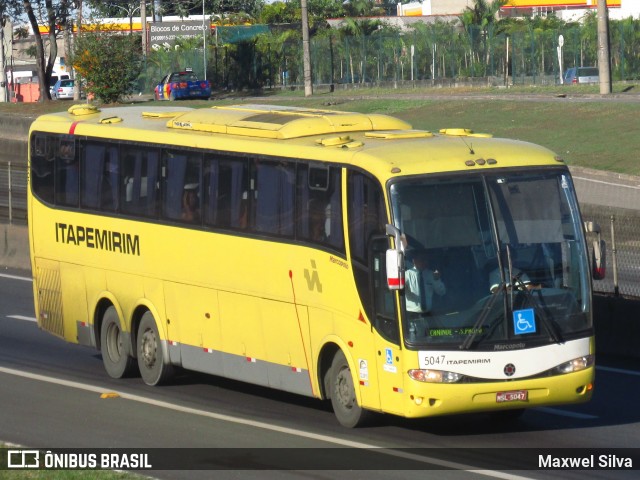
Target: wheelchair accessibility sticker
{"type": "Point", "coordinates": [389, 366]}
{"type": "Point", "coordinates": [524, 321]}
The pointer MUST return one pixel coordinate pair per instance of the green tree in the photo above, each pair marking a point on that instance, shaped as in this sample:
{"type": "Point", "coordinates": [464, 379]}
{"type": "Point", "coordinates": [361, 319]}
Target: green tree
{"type": "Point", "coordinates": [363, 8]}
{"type": "Point", "coordinates": [109, 63]}
{"type": "Point", "coordinates": [53, 15]}
{"type": "Point", "coordinates": [250, 7]}
{"type": "Point", "coordinates": [280, 13]}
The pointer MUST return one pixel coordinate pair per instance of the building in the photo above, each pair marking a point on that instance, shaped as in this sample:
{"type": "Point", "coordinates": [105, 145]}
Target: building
{"type": "Point", "coordinates": [569, 10]}
{"type": "Point", "coordinates": [434, 7]}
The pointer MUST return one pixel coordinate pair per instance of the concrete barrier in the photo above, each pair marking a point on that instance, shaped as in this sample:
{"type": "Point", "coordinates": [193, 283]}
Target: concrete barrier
{"type": "Point", "coordinates": [14, 247]}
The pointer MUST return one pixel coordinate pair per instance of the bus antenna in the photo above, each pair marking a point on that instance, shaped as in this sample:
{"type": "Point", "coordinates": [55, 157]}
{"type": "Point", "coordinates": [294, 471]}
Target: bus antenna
{"type": "Point", "coordinates": [468, 145]}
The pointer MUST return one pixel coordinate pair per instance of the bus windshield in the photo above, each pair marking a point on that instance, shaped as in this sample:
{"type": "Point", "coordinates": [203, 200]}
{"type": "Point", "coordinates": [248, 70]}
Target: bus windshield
{"type": "Point", "coordinates": [494, 261]}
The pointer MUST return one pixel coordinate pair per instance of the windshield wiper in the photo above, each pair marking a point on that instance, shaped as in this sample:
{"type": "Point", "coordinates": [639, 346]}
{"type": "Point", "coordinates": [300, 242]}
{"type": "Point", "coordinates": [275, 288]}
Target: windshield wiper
{"type": "Point", "coordinates": [549, 325]}
{"type": "Point", "coordinates": [482, 317]}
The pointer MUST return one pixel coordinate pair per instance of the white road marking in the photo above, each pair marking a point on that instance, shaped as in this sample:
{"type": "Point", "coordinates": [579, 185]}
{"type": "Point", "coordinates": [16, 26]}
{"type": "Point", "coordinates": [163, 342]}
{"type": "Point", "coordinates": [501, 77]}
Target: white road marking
{"type": "Point", "coordinates": [22, 317]}
{"type": "Point", "coordinates": [606, 183]}
{"type": "Point", "coordinates": [565, 413]}
{"type": "Point", "coordinates": [16, 277]}
{"type": "Point", "coordinates": [266, 426]}
{"type": "Point", "coordinates": [618, 370]}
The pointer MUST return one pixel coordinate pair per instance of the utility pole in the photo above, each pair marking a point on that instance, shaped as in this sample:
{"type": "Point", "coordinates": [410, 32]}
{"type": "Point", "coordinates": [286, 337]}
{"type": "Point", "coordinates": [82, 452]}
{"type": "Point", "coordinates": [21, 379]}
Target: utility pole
{"type": "Point", "coordinates": [306, 55]}
{"type": "Point", "coordinates": [143, 20]}
{"type": "Point", "coordinates": [604, 65]}
{"type": "Point", "coordinates": [4, 89]}
{"type": "Point", "coordinates": [77, 88]}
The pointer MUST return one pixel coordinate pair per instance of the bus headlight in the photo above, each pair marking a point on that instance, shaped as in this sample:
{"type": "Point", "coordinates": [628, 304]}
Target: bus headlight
{"type": "Point", "coordinates": [434, 376]}
{"type": "Point", "coordinates": [575, 365]}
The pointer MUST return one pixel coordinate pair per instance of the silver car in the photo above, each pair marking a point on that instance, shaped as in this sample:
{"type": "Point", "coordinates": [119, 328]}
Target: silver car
{"type": "Point", "coordinates": [581, 75]}
{"type": "Point", "coordinates": [63, 89]}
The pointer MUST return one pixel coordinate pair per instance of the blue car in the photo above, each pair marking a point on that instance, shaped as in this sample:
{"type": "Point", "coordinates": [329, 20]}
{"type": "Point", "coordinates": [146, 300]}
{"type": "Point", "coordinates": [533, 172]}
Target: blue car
{"type": "Point", "coordinates": [181, 85]}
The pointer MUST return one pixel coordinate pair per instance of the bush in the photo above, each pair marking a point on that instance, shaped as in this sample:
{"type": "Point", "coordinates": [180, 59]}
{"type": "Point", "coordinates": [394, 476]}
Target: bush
{"type": "Point", "coordinates": [109, 64]}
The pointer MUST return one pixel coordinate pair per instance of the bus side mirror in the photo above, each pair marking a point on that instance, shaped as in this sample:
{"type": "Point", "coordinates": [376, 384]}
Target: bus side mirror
{"type": "Point", "coordinates": [395, 261]}
{"type": "Point", "coordinates": [599, 253]}
{"type": "Point", "coordinates": [395, 269]}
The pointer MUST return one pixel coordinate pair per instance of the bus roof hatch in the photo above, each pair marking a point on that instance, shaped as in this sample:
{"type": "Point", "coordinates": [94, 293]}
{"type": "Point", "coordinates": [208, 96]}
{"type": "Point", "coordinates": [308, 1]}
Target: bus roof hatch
{"type": "Point", "coordinates": [267, 121]}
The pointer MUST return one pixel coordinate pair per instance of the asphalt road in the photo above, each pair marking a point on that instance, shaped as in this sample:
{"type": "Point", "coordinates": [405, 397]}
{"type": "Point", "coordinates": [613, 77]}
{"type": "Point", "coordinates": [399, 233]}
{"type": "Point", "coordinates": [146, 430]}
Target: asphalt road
{"type": "Point", "coordinates": [51, 397]}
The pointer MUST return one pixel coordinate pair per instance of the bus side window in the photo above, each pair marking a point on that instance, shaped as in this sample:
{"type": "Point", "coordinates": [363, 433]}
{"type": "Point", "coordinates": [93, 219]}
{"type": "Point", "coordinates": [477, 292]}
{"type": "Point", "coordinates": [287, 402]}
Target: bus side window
{"type": "Point", "coordinates": [367, 218]}
{"type": "Point", "coordinates": [109, 194]}
{"type": "Point", "coordinates": [140, 181]}
{"type": "Point", "coordinates": [274, 205]}
{"type": "Point", "coordinates": [319, 217]}
{"type": "Point", "coordinates": [99, 186]}
{"type": "Point", "coordinates": [67, 173]}
{"type": "Point", "coordinates": [226, 186]}
{"type": "Point", "coordinates": [93, 156]}
{"type": "Point", "coordinates": [181, 180]}
{"type": "Point", "coordinates": [42, 167]}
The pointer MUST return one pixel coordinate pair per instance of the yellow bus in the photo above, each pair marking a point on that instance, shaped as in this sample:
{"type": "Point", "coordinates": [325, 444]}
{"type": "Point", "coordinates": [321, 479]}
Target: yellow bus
{"type": "Point", "coordinates": [336, 255]}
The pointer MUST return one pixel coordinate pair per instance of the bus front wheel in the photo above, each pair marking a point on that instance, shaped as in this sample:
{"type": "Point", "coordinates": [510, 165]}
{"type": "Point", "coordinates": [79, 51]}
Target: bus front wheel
{"type": "Point", "coordinates": [343, 394]}
{"type": "Point", "coordinates": [115, 356]}
{"type": "Point", "coordinates": [154, 368]}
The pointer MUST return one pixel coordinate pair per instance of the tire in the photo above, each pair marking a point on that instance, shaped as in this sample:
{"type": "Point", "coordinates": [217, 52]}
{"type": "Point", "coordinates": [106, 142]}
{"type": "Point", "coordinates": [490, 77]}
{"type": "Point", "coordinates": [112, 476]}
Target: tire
{"type": "Point", "coordinates": [115, 357]}
{"type": "Point", "coordinates": [172, 97]}
{"type": "Point", "coordinates": [154, 368]}
{"type": "Point", "coordinates": [343, 394]}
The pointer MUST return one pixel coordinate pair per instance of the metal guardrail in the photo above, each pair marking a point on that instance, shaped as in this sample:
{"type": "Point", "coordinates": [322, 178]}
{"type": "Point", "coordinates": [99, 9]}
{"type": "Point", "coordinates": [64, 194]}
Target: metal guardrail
{"type": "Point", "coordinates": [13, 192]}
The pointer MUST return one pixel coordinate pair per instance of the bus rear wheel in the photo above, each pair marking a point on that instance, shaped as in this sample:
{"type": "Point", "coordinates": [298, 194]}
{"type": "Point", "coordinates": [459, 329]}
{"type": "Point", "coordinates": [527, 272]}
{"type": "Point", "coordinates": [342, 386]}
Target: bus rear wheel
{"type": "Point", "coordinates": [154, 368]}
{"type": "Point", "coordinates": [115, 356]}
{"type": "Point", "coordinates": [343, 394]}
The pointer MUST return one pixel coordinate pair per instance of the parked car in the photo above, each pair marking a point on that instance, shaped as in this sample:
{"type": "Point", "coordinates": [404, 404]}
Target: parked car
{"type": "Point", "coordinates": [180, 85]}
{"type": "Point", "coordinates": [63, 89]}
{"type": "Point", "coordinates": [580, 75]}
{"type": "Point", "coordinates": [52, 81]}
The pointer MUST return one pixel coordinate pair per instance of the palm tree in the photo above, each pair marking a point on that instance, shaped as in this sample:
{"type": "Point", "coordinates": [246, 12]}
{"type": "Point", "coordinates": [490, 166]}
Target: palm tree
{"type": "Point", "coordinates": [481, 19]}
{"type": "Point", "coordinates": [360, 29]}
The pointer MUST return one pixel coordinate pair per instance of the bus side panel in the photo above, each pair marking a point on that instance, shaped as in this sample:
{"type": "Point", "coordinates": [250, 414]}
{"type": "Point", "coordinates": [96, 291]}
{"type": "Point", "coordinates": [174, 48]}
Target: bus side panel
{"type": "Point", "coordinates": [247, 325]}
{"type": "Point", "coordinates": [193, 322]}
{"type": "Point", "coordinates": [74, 304]}
{"type": "Point", "coordinates": [286, 333]}
{"type": "Point", "coordinates": [242, 338]}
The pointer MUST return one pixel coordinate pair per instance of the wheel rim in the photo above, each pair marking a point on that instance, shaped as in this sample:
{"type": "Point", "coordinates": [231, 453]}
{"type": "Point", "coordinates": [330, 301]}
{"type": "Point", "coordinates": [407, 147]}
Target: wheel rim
{"type": "Point", "coordinates": [344, 389]}
{"type": "Point", "coordinates": [149, 348]}
{"type": "Point", "coordinates": [114, 343]}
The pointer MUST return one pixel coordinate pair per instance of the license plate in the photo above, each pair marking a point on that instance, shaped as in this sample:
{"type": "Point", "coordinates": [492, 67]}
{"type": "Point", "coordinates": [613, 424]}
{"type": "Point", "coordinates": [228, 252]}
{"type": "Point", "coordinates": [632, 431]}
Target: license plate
{"type": "Point", "coordinates": [512, 396]}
